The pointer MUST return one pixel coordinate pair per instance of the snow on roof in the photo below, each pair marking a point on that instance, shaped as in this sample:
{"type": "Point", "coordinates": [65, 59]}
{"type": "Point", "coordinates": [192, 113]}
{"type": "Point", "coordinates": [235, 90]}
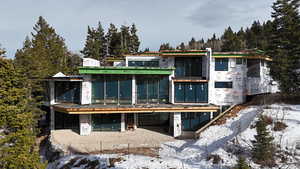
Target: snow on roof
{"type": "Point", "coordinates": [59, 74]}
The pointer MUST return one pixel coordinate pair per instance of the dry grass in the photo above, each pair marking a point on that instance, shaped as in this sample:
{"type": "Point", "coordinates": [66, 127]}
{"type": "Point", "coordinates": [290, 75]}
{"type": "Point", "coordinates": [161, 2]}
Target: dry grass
{"type": "Point", "coordinates": [279, 126]}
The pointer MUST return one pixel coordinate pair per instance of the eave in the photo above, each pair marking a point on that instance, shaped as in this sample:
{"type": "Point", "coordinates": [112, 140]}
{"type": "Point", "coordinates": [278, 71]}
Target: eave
{"type": "Point", "coordinates": [126, 70]}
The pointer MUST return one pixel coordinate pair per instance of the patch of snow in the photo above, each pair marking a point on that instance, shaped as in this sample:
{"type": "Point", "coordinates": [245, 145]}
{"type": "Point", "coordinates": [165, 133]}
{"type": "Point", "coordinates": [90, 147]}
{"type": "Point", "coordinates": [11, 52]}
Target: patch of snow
{"type": "Point", "coordinates": [218, 140]}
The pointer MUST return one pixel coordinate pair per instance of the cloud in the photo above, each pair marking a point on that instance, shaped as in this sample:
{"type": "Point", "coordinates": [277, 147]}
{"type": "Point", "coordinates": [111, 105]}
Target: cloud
{"type": "Point", "coordinates": [222, 13]}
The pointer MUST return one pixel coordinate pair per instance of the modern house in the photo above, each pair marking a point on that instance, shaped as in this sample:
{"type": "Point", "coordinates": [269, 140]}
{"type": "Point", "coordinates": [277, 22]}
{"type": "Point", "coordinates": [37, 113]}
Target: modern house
{"type": "Point", "coordinates": [177, 91]}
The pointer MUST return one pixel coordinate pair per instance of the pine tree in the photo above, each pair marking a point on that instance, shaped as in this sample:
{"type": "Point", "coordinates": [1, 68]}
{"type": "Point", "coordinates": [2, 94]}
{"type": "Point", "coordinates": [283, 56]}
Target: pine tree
{"type": "Point", "coordinates": [125, 39]}
{"type": "Point", "coordinates": [285, 46]}
{"type": "Point", "coordinates": [165, 46]}
{"type": "Point", "coordinates": [17, 139]}
{"type": "Point", "coordinates": [134, 40]}
{"type": "Point", "coordinates": [95, 44]}
{"type": "Point", "coordinates": [241, 163]}
{"type": "Point", "coordinates": [263, 151]}
{"type": "Point", "coordinates": [230, 40]}
{"type": "Point", "coordinates": [113, 38]}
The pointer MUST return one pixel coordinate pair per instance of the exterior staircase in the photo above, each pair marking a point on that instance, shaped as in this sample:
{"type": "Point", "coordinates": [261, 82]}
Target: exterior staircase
{"type": "Point", "coordinates": [232, 111]}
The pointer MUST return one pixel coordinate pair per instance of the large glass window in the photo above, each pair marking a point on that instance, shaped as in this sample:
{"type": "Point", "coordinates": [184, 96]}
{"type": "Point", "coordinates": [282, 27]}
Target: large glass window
{"type": "Point", "coordinates": [67, 92]}
{"type": "Point", "coordinates": [191, 92]}
{"type": "Point", "coordinates": [110, 89]}
{"type": "Point", "coordinates": [253, 66]}
{"type": "Point", "coordinates": [154, 89]}
{"type": "Point", "coordinates": [186, 67]}
{"type": "Point", "coordinates": [193, 121]}
{"type": "Point", "coordinates": [98, 90]}
{"type": "Point", "coordinates": [221, 64]}
{"type": "Point", "coordinates": [152, 63]}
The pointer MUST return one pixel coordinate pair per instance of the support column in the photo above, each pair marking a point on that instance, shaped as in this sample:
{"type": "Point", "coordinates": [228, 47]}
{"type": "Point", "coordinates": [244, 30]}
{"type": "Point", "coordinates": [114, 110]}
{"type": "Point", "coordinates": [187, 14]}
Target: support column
{"type": "Point", "coordinates": [122, 122]}
{"type": "Point", "coordinates": [52, 118]}
{"type": "Point", "coordinates": [177, 124]}
{"type": "Point", "coordinates": [86, 95]}
{"type": "Point", "coordinates": [133, 89]}
{"type": "Point", "coordinates": [85, 124]}
{"type": "Point", "coordinates": [135, 119]}
{"type": "Point", "coordinates": [52, 102]}
{"type": "Point", "coordinates": [211, 115]}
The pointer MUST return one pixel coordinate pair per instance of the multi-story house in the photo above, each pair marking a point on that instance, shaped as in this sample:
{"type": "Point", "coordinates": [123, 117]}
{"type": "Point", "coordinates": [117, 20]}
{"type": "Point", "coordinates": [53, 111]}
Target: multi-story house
{"type": "Point", "coordinates": [177, 91]}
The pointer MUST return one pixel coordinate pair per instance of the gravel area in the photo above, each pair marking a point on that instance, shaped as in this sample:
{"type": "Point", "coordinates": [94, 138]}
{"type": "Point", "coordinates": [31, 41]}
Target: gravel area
{"type": "Point", "coordinates": [99, 141]}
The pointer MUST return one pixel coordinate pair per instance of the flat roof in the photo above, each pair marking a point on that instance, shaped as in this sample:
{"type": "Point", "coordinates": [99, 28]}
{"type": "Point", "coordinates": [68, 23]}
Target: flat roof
{"type": "Point", "coordinates": [141, 108]}
{"type": "Point", "coordinates": [245, 55]}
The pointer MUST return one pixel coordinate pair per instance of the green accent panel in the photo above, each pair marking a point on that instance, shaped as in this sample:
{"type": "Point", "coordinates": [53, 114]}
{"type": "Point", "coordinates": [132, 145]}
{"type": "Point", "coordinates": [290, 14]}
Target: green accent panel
{"type": "Point", "coordinates": [126, 70]}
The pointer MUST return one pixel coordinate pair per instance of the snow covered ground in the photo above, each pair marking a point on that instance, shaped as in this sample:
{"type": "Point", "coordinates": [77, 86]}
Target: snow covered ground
{"type": "Point", "coordinates": [224, 140]}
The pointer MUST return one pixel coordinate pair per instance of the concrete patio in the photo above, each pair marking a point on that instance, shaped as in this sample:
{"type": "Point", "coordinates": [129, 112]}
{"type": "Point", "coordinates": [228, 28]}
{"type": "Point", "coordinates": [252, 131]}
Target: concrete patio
{"type": "Point", "coordinates": [99, 141]}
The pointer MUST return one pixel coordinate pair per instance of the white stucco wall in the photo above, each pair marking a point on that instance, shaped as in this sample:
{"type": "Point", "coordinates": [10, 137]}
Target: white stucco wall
{"type": "Point", "coordinates": [235, 74]}
{"type": "Point", "coordinates": [90, 62]}
{"type": "Point", "coordinates": [86, 92]}
{"type": "Point", "coordinates": [85, 124]}
{"type": "Point", "coordinates": [177, 124]}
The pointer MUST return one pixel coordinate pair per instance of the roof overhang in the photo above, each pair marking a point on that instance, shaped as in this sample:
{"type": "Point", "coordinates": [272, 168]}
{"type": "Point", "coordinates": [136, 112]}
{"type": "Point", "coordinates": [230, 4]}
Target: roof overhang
{"type": "Point", "coordinates": [241, 55]}
{"type": "Point", "coordinates": [146, 109]}
{"type": "Point", "coordinates": [126, 70]}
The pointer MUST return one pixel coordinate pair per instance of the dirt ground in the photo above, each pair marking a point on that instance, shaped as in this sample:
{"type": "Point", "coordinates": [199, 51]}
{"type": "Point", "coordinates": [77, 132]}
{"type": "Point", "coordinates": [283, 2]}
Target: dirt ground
{"type": "Point", "coordinates": [71, 141]}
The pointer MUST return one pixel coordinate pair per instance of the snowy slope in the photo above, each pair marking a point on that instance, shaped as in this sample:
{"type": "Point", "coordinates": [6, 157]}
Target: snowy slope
{"type": "Point", "coordinates": [220, 140]}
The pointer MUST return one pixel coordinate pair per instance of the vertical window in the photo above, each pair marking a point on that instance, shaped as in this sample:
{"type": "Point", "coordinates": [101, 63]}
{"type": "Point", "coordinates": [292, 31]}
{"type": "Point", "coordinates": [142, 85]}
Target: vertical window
{"type": "Point", "coordinates": [125, 93]}
{"type": "Point", "coordinates": [221, 64]}
{"type": "Point", "coordinates": [239, 61]}
{"type": "Point", "coordinates": [98, 90]}
{"type": "Point", "coordinates": [112, 90]}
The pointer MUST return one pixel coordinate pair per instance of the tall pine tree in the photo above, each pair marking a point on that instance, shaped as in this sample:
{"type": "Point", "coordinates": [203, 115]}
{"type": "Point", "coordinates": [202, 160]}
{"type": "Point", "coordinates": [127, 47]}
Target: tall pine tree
{"type": "Point", "coordinates": [17, 138]}
{"type": "Point", "coordinates": [285, 46]}
{"type": "Point", "coordinates": [230, 40]}
{"type": "Point", "coordinates": [134, 40]}
{"type": "Point", "coordinates": [95, 44]}
{"type": "Point", "coordinates": [263, 151]}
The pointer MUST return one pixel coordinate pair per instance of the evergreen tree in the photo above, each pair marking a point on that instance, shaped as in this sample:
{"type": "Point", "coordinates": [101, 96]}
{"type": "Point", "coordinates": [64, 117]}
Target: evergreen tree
{"type": "Point", "coordinates": [285, 45]}
{"type": "Point", "coordinates": [231, 41]}
{"type": "Point", "coordinates": [113, 38]}
{"type": "Point", "coordinates": [134, 40]}
{"type": "Point", "coordinates": [241, 163]}
{"type": "Point", "coordinates": [165, 46]}
{"type": "Point", "coordinates": [192, 44]}
{"type": "Point", "coordinates": [125, 39]}
{"type": "Point", "coordinates": [95, 44]}
{"type": "Point", "coordinates": [181, 46]}
{"type": "Point", "coordinates": [17, 139]}
{"type": "Point", "coordinates": [263, 151]}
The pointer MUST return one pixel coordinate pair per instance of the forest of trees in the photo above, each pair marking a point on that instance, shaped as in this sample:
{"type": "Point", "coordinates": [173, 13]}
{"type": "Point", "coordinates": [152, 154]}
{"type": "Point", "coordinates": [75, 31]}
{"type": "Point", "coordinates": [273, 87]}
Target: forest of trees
{"type": "Point", "coordinates": [257, 36]}
{"type": "Point", "coordinates": [45, 53]}
{"type": "Point", "coordinates": [115, 42]}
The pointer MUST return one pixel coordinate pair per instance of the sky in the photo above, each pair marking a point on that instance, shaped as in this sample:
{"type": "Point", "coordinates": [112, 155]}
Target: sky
{"type": "Point", "coordinates": [157, 21]}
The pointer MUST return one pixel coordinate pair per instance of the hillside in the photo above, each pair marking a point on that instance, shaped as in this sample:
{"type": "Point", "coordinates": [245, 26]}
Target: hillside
{"type": "Point", "coordinates": [217, 146]}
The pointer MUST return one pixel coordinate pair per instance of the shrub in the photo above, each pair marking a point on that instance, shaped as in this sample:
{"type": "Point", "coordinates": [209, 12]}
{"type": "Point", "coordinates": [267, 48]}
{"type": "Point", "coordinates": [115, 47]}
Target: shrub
{"type": "Point", "coordinates": [241, 163]}
{"type": "Point", "coordinates": [215, 157]}
{"type": "Point", "coordinates": [279, 126]}
{"type": "Point", "coordinates": [267, 119]}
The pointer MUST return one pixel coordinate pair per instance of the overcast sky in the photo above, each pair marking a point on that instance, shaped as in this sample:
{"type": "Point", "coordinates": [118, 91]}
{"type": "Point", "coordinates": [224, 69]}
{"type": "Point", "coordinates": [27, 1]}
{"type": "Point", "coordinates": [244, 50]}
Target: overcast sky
{"type": "Point", "coordinates": [158, 21]}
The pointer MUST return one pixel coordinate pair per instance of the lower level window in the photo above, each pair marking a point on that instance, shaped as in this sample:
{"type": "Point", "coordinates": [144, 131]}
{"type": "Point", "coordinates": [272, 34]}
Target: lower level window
{"type": "Point", "coordinates": [223, 84]}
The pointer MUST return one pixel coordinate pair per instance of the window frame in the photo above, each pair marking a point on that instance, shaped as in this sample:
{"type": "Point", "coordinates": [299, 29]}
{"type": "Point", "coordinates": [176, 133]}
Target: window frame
{"type": "Point", "coordinates": [226, 85]}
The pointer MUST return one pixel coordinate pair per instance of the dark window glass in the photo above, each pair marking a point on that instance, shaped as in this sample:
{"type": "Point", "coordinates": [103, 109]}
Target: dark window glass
{"type": "Point", "coordinates": [253, 66]}
{"type": "Point", "coordinates": [67, 92]}
{"type": "Point", "coordinates": [221, 64]}
{"type": "Point", "coordinates": [164, 89]}
{"type": "Point", "coordinates": [111, 90]}
{"type": "Point", "coordinates": [154, 89]}
{"type": "Point", "coordinates": [223, 84]}
{"type": "Point", "coordinates": [125, 90]}
{"type": "Point", "coordinates": [191, 92]}
{"type": "Point", "coordinates": [152, 63]}
{"type": "Point", "coordinates": [98, 91]}
{"type": "Point", "coordinates": [188, 67]}
{"type": "Point", "coordinates": [239, 61]}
